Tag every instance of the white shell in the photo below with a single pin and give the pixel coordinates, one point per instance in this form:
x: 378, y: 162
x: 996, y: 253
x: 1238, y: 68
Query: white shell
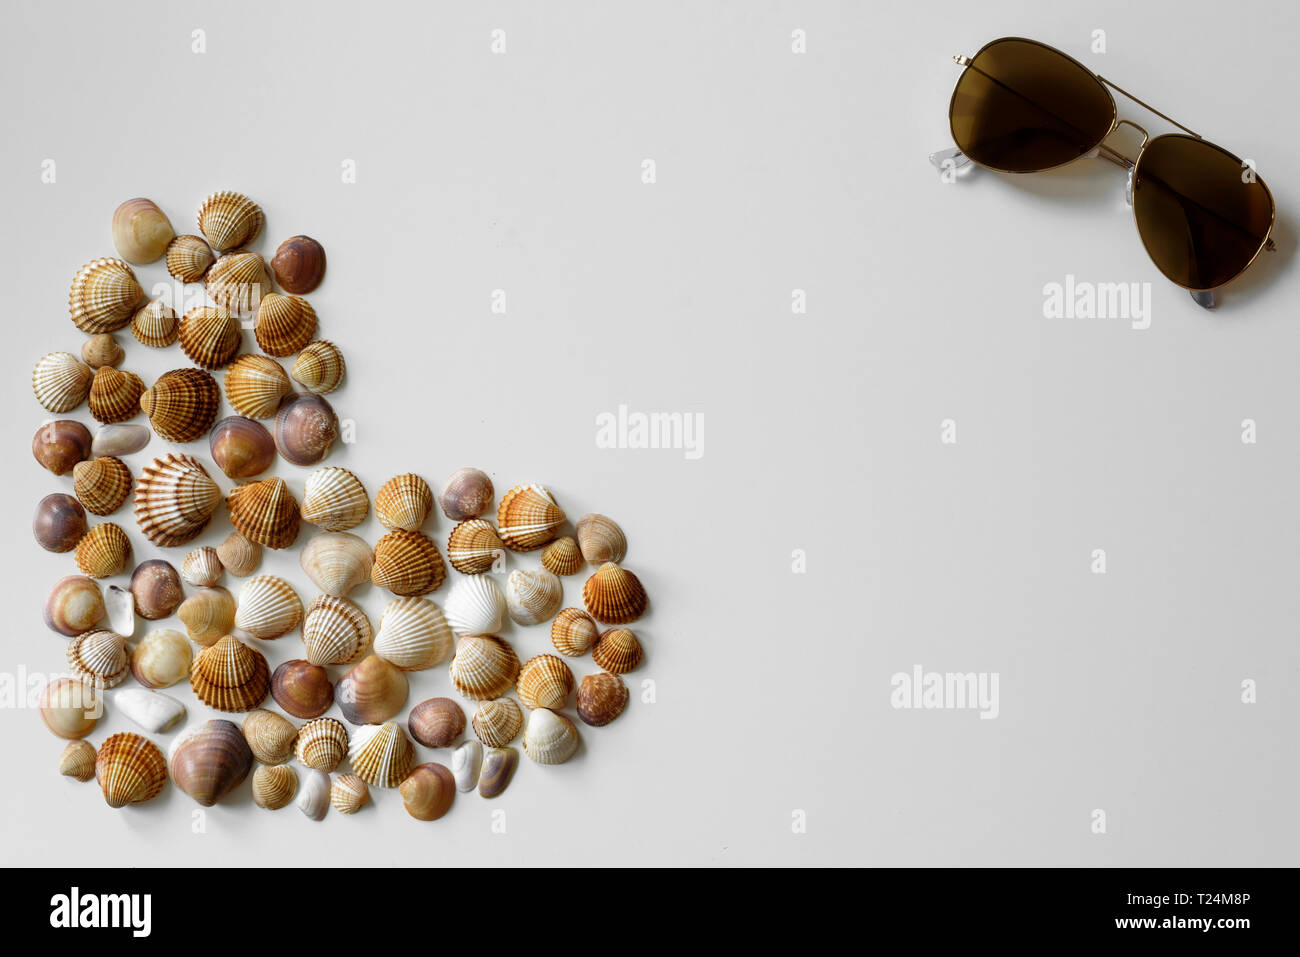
x: 313, y: 794
x: 466, y: 762
x: 334, y: 499
x: 61, y: 381
x: 151, y: 710
x: 268, y: 608
x: 550, y: 738
x: 413, y: 634
x: 120, y: 604
x: 337, y: 562
x: 475, y: 606
x: 533, y: 596
x: 202, y: 567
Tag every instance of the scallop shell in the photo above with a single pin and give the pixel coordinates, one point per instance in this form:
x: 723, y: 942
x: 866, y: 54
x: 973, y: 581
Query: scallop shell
x: 617, y: 651
x: 264, y: 512
x: 155, y: 325
x: 141, y: 231
x: 335, y: 631
x: 102, y: 349
x: 473, y: 547
x: 545, y: 681
x: 238, y: 555
x: 314, y: 795
x: 485, y: 666
x: 255, y: 385
x: 210, y: 760
x: 305, y: 428
x: 573, y: 632
x: 382, y: 755
x: 188, y: 258
x: 130, y: 769
x: 373, y: 691
x: 182, y: 405
x: 210, y: 336
x: 270, y: 737
x: 230, y: 676
x: 475, y: 606
x: 115, y: 394
x: 320, y: 367
x: 533, y: 596
x: 403, y: 503
x: 427, y: 792
x: 600, y: 539
x: 408, y: 563
x: 498, y: 768
x: 601, y: 698
x: 175, y: 499
x: 70, y: 708
x: 102, y: 484
x: 614, y: 595
x: 302, y: 689
x: 103, y: 296
x: 75, y: 604
x: 99, y: 658
x: 119, y: 439
x: 268, y: 608
x: 202, y: 566
x: 238, y: 282
x: 334, y: 499
x: 322, y: 744
x: 498, y: 722
x: 78, y: 760
x: 413, y: 634
x: 528, y: 517
x: 151, y: 710
x: 103, y: 551
x: 162, y: 658
x: 61, y: 381
x: 274, y: 787
x: 348, y: 794
x: 550, y: 738
x: 208, y: 615
x: 337, y: 562
x: 228, y: 219
x: 284, y: 324
x: 436, y: 723
x: 562, y: 557
x: 466, y: 762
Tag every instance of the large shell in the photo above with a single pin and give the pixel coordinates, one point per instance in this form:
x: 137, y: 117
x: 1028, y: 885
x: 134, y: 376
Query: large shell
x: 155, y: 325
x: 335, y: 632
x: 70, y: 708
x: 533, y: 596
x: 545, y: 681
x: 102, y: 349
x: 268, y: 608
x: 408, y: 563
x: 103, y: 296
x: 427, y: 792
x: 305, y: 428
x: 348, y: 794
x: 573, y: 632
x: 382, y: 754
x: 550, y: 738
x: 334, y: 499
x: 238, y: 555
x: 600, y: 539
x: 61, y: 444
x: 230, y: 676
x: 413, y: 634
x: 373, y: 691
x: 436, y: 723
x: 208, y: 615
x: 270, y: 736
x: 103, y: 551
x: 99, y: 658
x: 474, y: 547
x: 59, y: 523
x: 61, y: 381
x: 130, y: 769
x: 562, y: 557
x: 320, y: 367
x: 467, y: 494
x: 182, y: 405
x: 162, y: 658
x: 403, y: 502
x: 466, y: 762
x: 141, y: 231
x: 322, y: 744
x: 188, y: 258
x: 337, y: 562
x: 255, y: 385
x: 264, y: 512
x: 228, y: 220
x: 302, y: 689
x: 601, y: 698
x: 528, y: 517
x: 241, y: 447
x: 498, y: 768
x: 617, y: 651
x: 614, y: 595
x: 497, y: 722
x: 74, y: 605
x: 156, y: 589
x: 284, y: 324
x: 115, y: 394
x: 210, y: 760
x: 202, y: 566
x: 78, y: 760
x: 274, y: 787
x: 210, y: 336
x: 475, y: 606
x: 485, y: 666
x: 174, y: 499
x: 299, y: 264
x: 314, y: 795
x: 102, y: 484
x: 238, y: 282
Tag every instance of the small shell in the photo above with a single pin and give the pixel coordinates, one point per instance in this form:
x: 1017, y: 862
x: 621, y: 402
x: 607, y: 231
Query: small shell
x: 270, y: 737
x: 466, y: 762
x: 348, y: 794
x: 115, y: 394
x: 284, y: 324
x: 617, y: 651
x: 320, y: 367
x: 274, y: 787
x: 408, y: 563
x: 337, y: 562
x: 614, y: 595
x: 162, y: 658
x: 268, y: 608
x: 103, y: 551
x: 314, y: 795
x: 473, y: 547
x: 467, y: 494
x: 120, y: 604
x: 302, y: 689
x: 102, y: 484
x: 601, y: 698
x: 497, y: 722
x: 151, y: 710
x: 436, y: 723
x: 155, y: 325
x: 182, y: 405
x: 70, y: 708
x: 305, y: 428
x: 550, y: 738
x: 202, y: 566
x: 334, y: 499
x: 562, y: 557
x: 475, y: 606
x: 373, y: 691
x: 61, y: 381
x: 61, y: 444
x: 208, y: 615
x: 241, y: 447
x: 238, y: 282
x: 498, y: 768
x: 238, y: 555
x: 382, y: 754
x: 210, y: 760
x: 103, y: 296
x: 210, y: 336
x: 545, y: 681
x: 322, y: 744
x: 230, y: 676
x: 528, y: 517
x: 59, y: 523
x: 255, y: 385
x: 403, y: 503
x: 78, y: 760
x: 264, y: 512
x: 428, y: 791
x: 229, y: 219
x: 188, y: 258
x: 533, y: 596
x: 299, y: 264
x: 600, y: 539
x: 156, y: 589
x: 119, y: 440
x: 100, y: 658
x: 174, y: 499
x: 485, y: 666
x: 335, y: 631
x: 74, y: 605
x: 413, y: 634
x: 130, y: 769
x: 102, y: 349
x: 141, y: 231
x: 573, y: 632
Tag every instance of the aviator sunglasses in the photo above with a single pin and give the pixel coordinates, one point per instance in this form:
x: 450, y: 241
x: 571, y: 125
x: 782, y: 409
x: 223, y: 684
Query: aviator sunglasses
x: 1021, y: 106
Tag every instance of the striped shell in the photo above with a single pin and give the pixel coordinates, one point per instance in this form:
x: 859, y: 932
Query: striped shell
x: 562, y: 556
x: 473, y: 547
x: 255, y: 385
x: 498, y: 722
x: 155, y: 325
x: 209, y: 760
x: 335, y: 631
x: 227, y: 219
x: 174, y: 499
x: 322, y: 744
x: 130, y: 769
x: 210, y: 336
x: 334, y: 499
x: 230, y: 676
x: 601, y: 698
x: 382, y: 754
x: 103, y: 296
x: 61, y: 381
x: 533, y: 596
x: 268, y: 608
x: 100, y: 658
x: 573, y: 632
x: 78, y: 760
x: 614, y: 595
x: 102, y: 484
x: 115, y: 394
x: 208, y: 614
x: 238, y: 282
x: 103, y: 551
x: 408, y: 563
x: 550, y: 738
x: 284, y: 324
x: 475, y: 606
x: 270, y: 736
x: 274, y: 787
x: 403, y: 503
x: 188, y: 258
x: 485, y: 666
x: 545, y: 681
x: 413, y: 634
x: 528, y: 517
x: 617, y: 651
x: 320, y: 367
x: 202, y: 566
x: 337, y: 562
x: 238, y: 555
x: 348, y: 794
x: 264, y: 512
x: 182, y: 405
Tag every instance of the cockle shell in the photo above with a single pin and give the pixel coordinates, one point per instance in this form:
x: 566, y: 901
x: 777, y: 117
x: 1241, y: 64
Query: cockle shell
x: 130, y: 769
x: 382, y: 754
x: 467, y: 494
x: 497, y: 722
x: 614, y: 595
x: 70, y: 708
x: 103, y: 296
x: 208, y: 614
x: 141, y: 231
x: 61, y: 381
x: 562, y: 557
x: 436, y: 723
x: 162, y: 658
x: 100, y: 658
x: 102, y: 349
x: 284, y: 324
x: 485, y: 666
x: 473, y: 547
x: 182, y: 405
x: 270, y: 737
x: 241, y: 447
x: 255, y: 385
x: 475, y: 606
x: 617, y: 651
x: 403, y: 503
x: 210, y: 336
x: 115, y: 394
x: 202, y: 566
x: 533, y: 596
x: 373, y: 691
x: 573, y: 632
x: 156, y: 589
x: 302, y: 689
x: 413, y: 634
x: 545, y: 681
x: 102, y: 484
x: 348, y: 794
x: 151, y: 710
x: 238, y: 555
x: 550, y: 737
x: 334, y: 499
x: 210, y: 760
x: 601, y: 698
x: 230, y: 676
x: 528, y: 517
x: 322, y: 744
x: 335, y: 632
x: 336, y: 562
x: 228, y: 220
x: 238, y: 282
x: 314, y: 795
x: 188, y: 258
x: 427, y: 792
x: 466, y: 762
x: 74, y: 605
x: 59, y: 523
x: 299, y: 264
x: 61, y: 444
x: 268, y: 608
x: 103, y: 551
x: 119, y: 440
x: 78, y: 760
x: 408, y: 563
x: 498, y: 768
x: 305, y: 428
x: 600, y: 539
x: 264, y: 512
x: 274, y: 786
x: 120, y: 604
x: 155, y: 325
x: 320, y: 367
x: 174, y: 499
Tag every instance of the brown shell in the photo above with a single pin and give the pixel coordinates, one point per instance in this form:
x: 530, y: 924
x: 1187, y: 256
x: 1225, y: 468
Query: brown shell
x: 408, y: 563
x: 99, y: 657
x: 230, y: 676
x: 436, y: 723
x: 601, y: 698
x: 284, y: 324
x: 302, y: 689
x: 59, y: 523
x: 562, y: 556
x: 78, y: 760
x: 155, y: 325
x: 264, y: 512
x: 573, y: 631
x: 255, y: 385
x: 373, y: 691
x: 228, y: 219
x: 130, y: 769
x: 103, y: 296
x: 102, y: 349
x: 473, y: 547
x: 188, y: 258
x: 617, y: 651
x: 241, y: 447
x: 320, y: 367
x: 305, y: 428
x: 61, y: 444
x: 614, y: 595
x: 115, y: 394
x: 182, y: 405
x: 210, y: 336
x: 545, y: 681
x: 238, y: 555
x: 404, y: 502
x: 174, y: 499
x: 210, y: 760
x: 102, y: 484
x: 238, y: 282
x: 103, y: 551
x: 497, y: 722
x: 299, y: 264
x: 156, y: 589
x: 528, y: 517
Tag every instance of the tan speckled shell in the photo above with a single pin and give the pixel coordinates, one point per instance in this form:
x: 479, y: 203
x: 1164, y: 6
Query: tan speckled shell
x: 255, y: 385
x: 103, y: 296
x: 320, y: 367
x: 101, y: 484
x: 348, y: 794
x: 174, y: 499
x: 155, y: 325
x: 408, y: 563
x: 473, y: 547
x: 382, y: 754
x: 270, y: 736
x: 334, y: 499
x: 103, y: 551
x: 528, y: 517
x: 573, y: 631
x: 230, y: 676
x: 99, y: 657
x: 274, y: 786
x: 115, y: 394
x: 78, y: 760
x: 335, y: 631
x: 238, y: 555
x: 322, y: 744
x: 188, y: 258
x: 617, y: 651
x: 268, y: 608
x: 130, y: 769
x: 238, y: 282
x: 614, y: 595
x: 484, y: 666
x: 403, y: 503
x: 545, y: 681
x: 413, y: 634
x: 264, y: 512
x: 562, y: 557
x: 61, y: 381
x: 228, y: 219
x: 284, y: 324
x: 182, y: 405
x: 210, y: 336
x: 497, y: 722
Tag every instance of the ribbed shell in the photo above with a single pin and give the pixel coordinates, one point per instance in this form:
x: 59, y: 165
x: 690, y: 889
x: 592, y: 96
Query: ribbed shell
x: 600, y: 539
x: 403, y: 503
x: 103, y: 551
x: 573, y: 631
x: 274, y: 787
x: 102, y: 484
x: 284, y: 324
x: 562, y: 556
x: 100, y: 658
x: 102, y: 349
x: 550, y: 738
x: 78, y: 760
x: 473, y: 547
x: 617, y: 651
x: 335, y: 631
x: 268, y: 608
x: 130, y: 769
x: 485, y: 666
x: 61, y: 381
x: 228, y: 219
x: 210, y: 336
x: 202, y: 566
x: 601, y: 698
x: 322, y: 744
x: 320, y: 367
x: 230, y: 676
x: 382, y: 755
x: 155, y: 325
x: 337, y: 562
x: 533, y: 595
x: 408, y: 563
x: 413, y: 634
x: 334, y: 499
x: 270, y: 736
x: 475, y: 606
x: 264, y: 512
x: 208, y: 614
x: 528, y: 517
x: 174, y: 499
x: 182, y: 405
x: 115, y: 394
x: 255, y: 385
x: 188, y: 258
x: 348, y: 794
x: 238, y: 282
x: 614, y: 595
x: 103, y: 296
x: 238, y: 555
x: 498, y: 722
x: 545, y: 681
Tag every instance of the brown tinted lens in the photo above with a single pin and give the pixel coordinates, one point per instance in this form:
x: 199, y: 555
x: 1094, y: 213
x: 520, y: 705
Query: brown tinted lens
x: 1020, y: 107
x: 1201, y: 214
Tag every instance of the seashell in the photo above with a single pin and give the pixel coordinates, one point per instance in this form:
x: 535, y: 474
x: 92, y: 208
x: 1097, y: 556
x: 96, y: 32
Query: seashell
x: 182, y: 405
x: 320, y: 367
x: 600, y: 539
x: 209, y: 335
x: 141, y: 231
x: 202, y: 566
x: 467, y: 494
x: 210, y: 760
x: 156, y: 588
x: 617, y: 651
x: 155, y: 325
x: 372, y: 692
x: 61, y: 381
x: 528, y: 517
x: 99, y: 657
x: 188, y: 258
x: 614, y: 595
x: 230, y: 676
x: 270, y: 737
x: 161, y: 658
x: 382, y: 755
x: 208, y: 615
x: 228, y: 219
x: 336, y: 562
x: 545, y: 681
x: 322, y: 744
x: 485, y: 666
x: 334, y: 499
x: 274, y: 787
x: 175, y: 499
x: 115, y: 394
x: 103, y: 296
x: 78, y: 760
x: 61, y: 444
x: 533, y: 596
x: 268, y: 608
x: 120, y: 604
x: 59, y: 523
x: 314, y: 795
x: 550, y: 738
x: 408, y: 563
x: 473, y: 547
x: 151, y: 710
x: 130, y: 769
x: 101, y: 349
x: 70, y: 708
x: 497, y: 722
x: 466, y: 762
x: 348, y: 794
x: 302, y: 689
x: 102, y: 484
x: 264, y: 512
x: 255, y: 385
x: 498, y: 768
x: 436, y: 723
x: 103, y: 551
x: 119, y: 440
x: 427, y: 792
x: 413, y: 634
x: 238, y: 282
x: 299, y: 264
x: 403, y: 503
x: 238, y: 555
x: 475, y: 606
x: 73, y: 606
x: 305, y: 428
x: 241, y: 447
x: 562, y: 557
x: 335, y: 631
x: 284, y: 324
x: 573, y: 632
x: 601, y: 698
